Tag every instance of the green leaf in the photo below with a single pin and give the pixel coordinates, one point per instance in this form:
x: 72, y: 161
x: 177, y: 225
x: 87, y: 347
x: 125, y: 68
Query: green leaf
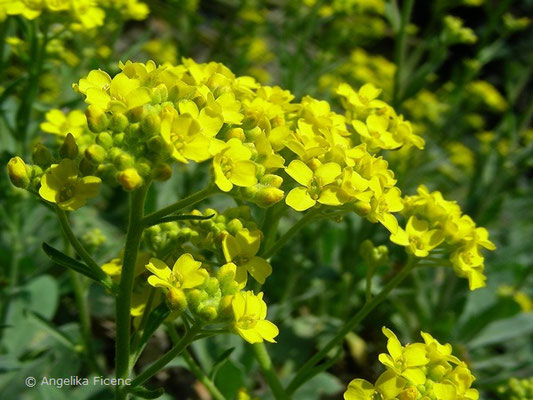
x: 68, y: 262
x: 392, y: 13
x: 45, y: 325
x: 155, y: 319
x: 229, y: 379
x: 505, y: 330
x: 182, y: 217
x: 319, y: 387
x: 220, y: 360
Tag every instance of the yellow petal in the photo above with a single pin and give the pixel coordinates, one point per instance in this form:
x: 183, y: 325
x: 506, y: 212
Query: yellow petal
x: 259, y: 268
x: 159, y: 269
x: 299, y: 199
x: 300, y: 172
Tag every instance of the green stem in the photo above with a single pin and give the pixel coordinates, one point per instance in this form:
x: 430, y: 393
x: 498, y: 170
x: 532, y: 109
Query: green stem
x: 308, y: 217
x: 38, y: 55
x: 152, y: 218
x: 153, y: 369
x: 123, y: 302
x: 85, y: 320
x: 80, y: 250
x: 14, y: 264
x: 302, y: 375
x: 399, y: 50
x: 262, y: 357
x: 195, y: 368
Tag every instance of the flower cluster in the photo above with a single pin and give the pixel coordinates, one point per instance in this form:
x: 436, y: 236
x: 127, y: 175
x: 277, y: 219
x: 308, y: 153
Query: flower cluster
x: 516, y: 389
x: 147, y: 117
x: 431, y: 221
x: 417, y: 371
x: 215, y: 298
x: 64, y: 182
x: 86, y: 14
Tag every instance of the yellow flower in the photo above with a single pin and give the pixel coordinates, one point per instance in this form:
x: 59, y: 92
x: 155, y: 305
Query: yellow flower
x: 186, y: 273
x: 241, y: 250
x: 417, y: 237
x: 249, y: 312
x: 62, y: 185
x: 60, y: 124
x: 387, y: 387
x: 318, y: 186
x: 232, y: 166
x: 383, y: 204
x: 404, y: 360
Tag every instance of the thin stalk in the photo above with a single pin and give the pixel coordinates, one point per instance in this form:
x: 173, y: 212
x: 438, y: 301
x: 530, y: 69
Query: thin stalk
x: 80, y: 296
x: 195, y: 368
x: 14, y: 264
x: 308, y: 217
x: 399, y: 49
x: 349, y: 326
x: 137, y: 350
x: 176, y: 350
x: 194, y: 198
x: 78, y: 247
x: 265, y: 363
x: 123, y: 302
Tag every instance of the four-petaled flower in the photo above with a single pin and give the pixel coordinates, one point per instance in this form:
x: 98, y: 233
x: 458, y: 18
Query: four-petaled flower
x: 249, y: 312
x: 62, y: 185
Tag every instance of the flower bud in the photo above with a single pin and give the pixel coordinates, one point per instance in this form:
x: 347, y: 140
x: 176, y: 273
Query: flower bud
x: 195, y: 297
x: 162, y: 172
x: 212, y: 286
x: 271, y: 180
x: 362, y: 207
x: 234, y: 226
x: 224, y: 306
x: 18, y: 173
x: 159, y: 94
x: 208, y: 313
x: 122, y: 160
x: 151, y: 124
x: 86, y: 168
x: 96, y: 154
x: 69, y: 148
x: 143, y: 166
x: 105, y: 140
x: 268, y: 196
x: 236, y: 133
x: 96, y: 119
x: 159, y: 146
x: 118, y: 139
x: 130, y: 179
x: 177, y: 299
x: 226, y: 275
x: 41, y: 155
x: 118, y: 123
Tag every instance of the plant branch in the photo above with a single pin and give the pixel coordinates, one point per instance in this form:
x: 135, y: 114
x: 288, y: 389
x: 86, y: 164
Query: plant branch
x: 262, y: 357
x: 151, y: 219
x: 123, y: 302
x: 302, y: 374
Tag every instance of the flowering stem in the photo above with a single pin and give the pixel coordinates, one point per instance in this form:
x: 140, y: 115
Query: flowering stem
x: 186, y: 340
x: 308, y: 217
x: 305, y: 371
x: 123, y: 302
x: 399, y: 49
x: 262, y: 357
x: 194, y: 198
x: 195, y: 368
